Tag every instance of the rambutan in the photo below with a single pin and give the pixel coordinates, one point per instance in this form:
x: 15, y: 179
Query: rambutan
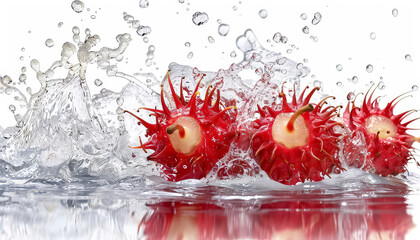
x: 187, y: 141
x: 297, y: 143
x: 387, y: 141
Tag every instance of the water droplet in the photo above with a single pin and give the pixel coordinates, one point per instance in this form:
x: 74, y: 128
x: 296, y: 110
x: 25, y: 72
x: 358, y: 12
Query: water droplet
x: 21, y: 58
x: 303, y: 16
x: 381, y: 86
x: 190, y: 55
x: 98, y: 82
x: 305, y: 30
x: 149, y: 62
x: 223, y: 29
x: 12, y: 108
x: 235, y: 8
x: 350, y: 96
x: 184, y: 166
x: 144, y: 3
x: 415, y: 88
x: 75, y: 30
x: 299, y: 66
x: 49, y: 42
x: 199, y: 18
x: 211, y: 39
x: 315, y: 39
x: 22, y: 77
x: 145, y: 39
x: 372, y: 35
x: 277, y: 36
x: 283, y: 39
x: 281, y: 61
x: 339, y: 84
x: 135, y: 24
x: 77, y: 6
x: 143, y: 30
x: 339, y: 67
x: 233, y: 54
x: 263, y: 13
x: 395, y: 12
x: 22, y: 49
x: 35, y: 65
x: 60, y: 24
x: 318, y: 83
x: 369, y: 68
x: 289, y: 51
x: 8, y: 91
x: 181, y: 1
x: 92, y: 16
x: 408, y: 57
x: 187, y: 44
x: 354, y: 79
x: 128, y: 18
x: 23, y: 69
x: 317, y: 18
x: 120, y: 101
x: 29, y: 90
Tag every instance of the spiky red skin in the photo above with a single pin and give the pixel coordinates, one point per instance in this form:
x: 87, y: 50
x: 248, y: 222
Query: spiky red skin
x: 215, y: 143
x: 217, y: 134
x: 299, y: 164
x: 385, y: 156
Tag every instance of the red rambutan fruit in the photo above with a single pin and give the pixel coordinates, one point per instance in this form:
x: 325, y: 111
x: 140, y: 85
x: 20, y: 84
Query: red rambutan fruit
x: 298, y: 142
x: 387, y: 142
x: 187, y: 141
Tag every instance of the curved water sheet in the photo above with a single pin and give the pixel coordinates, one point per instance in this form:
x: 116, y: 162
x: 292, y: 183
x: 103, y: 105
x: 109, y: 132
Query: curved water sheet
x: 67, y: 171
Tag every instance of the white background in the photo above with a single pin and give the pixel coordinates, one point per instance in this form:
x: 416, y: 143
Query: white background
x: 343, y: 38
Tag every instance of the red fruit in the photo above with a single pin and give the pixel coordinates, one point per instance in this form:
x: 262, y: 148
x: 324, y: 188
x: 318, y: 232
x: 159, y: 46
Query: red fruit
x: 298, y: 142
x: 191, y: 138
x: 388, y: 144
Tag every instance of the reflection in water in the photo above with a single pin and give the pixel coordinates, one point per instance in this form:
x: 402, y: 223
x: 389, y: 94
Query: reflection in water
x: 374, y: 218
x: 155, y: 209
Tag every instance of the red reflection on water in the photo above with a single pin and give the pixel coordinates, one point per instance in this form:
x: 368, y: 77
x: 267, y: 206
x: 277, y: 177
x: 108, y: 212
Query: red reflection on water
x: 375, y: 218
x: 175, y: 220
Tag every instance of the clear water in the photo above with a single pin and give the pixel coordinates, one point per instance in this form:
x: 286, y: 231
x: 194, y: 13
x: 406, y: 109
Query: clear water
x: 66, y: 171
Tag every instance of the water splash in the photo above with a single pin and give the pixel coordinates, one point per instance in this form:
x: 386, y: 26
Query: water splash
x: 65, y: 134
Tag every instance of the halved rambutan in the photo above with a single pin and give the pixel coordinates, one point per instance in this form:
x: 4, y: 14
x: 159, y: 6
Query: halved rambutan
x: 387, y: 142
x: 187, y: 141
x: 298, y: 142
